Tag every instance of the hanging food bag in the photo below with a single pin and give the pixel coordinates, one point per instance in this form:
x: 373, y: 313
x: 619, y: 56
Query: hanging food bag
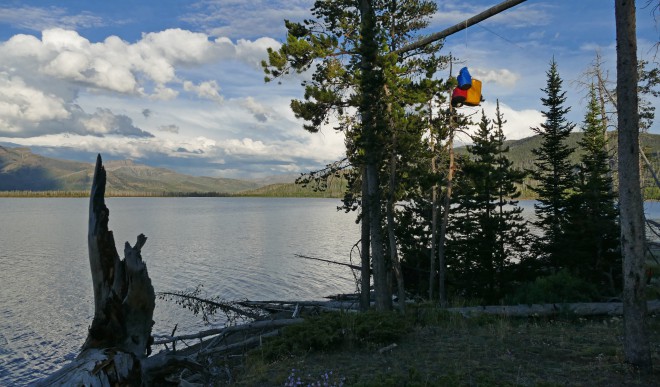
x: 473, y: 97
x: 458, y: 97
x: 464, y: 79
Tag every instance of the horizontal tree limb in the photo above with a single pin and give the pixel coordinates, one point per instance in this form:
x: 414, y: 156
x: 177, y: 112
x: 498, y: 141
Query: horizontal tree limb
x: 354, y: 267
x: 246, y: 343
x: 265, y: 324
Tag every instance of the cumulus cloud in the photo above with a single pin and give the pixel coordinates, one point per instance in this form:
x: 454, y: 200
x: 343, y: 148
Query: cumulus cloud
x: 116, y: 65
x: 27, y: 111
x: 41, y: 78
x: 518, y: 122
x: 503, y: 77
x: 254, y: 52
x: 20, y: 102
x: 205, y: 90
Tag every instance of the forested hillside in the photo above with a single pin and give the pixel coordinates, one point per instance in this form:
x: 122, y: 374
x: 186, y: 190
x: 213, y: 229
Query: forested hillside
x: 520, y: 153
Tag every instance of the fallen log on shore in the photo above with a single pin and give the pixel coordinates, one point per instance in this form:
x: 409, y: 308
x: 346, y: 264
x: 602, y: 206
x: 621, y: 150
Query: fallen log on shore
x: 256, y: 325
x: 584, y: 309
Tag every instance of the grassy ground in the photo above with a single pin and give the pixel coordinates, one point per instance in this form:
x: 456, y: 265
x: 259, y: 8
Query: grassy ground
x: 436, y: 349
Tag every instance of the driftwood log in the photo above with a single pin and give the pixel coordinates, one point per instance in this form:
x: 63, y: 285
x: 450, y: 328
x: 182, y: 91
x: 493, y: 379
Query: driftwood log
x: 119, y: 338
x: 584, y: 309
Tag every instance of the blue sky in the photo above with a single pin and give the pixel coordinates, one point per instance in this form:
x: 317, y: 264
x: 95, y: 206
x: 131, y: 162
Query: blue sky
x: 177, y: 84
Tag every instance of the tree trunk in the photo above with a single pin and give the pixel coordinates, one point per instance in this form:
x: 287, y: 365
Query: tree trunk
x: 371, y: 86
x: 394, y: 256
x: 124, y: 300
x: 442, y: 237
x: 365, y: 279
x: 434, y: 209
x: 636, y: 343
x: 434, y: 234
x: 381, y: 290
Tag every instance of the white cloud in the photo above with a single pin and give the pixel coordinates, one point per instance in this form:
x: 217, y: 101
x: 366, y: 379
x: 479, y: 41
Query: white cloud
x: 518, y: 122
x: 503, y: 77
x: 41, y: 79
x: 145, y: 67
x: 206, y: 90
x: 254, y: 52
x: 20, y: 102
x: 259, y: 111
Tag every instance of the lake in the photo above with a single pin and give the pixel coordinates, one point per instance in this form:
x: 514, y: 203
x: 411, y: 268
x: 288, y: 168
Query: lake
x: 236, y: 248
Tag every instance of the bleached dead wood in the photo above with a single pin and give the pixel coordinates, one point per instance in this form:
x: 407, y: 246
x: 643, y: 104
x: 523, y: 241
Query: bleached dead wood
x: 250, y: 342
x: 585, y: 309
x: 124, y: 300
x: 257, y: 325
x: 291, y: 305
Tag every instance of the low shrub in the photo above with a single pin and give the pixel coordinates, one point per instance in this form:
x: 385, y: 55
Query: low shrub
x: 333, y: 331
x: 561, y: 287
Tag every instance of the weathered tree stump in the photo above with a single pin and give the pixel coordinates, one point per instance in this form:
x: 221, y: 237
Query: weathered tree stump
x: 124, y: 300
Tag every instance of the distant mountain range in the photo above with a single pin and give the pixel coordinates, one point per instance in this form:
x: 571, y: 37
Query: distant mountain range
x: 22, y: 170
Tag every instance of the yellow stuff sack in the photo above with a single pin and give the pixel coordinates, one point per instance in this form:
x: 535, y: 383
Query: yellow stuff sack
x: 473, y: 94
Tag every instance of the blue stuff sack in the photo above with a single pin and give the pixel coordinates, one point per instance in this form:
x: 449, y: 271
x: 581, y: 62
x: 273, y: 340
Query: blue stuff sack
x: 464, y: 79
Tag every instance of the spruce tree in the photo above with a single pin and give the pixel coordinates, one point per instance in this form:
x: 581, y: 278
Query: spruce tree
x: 554, y: 174
x: 593, y: 231
x: 513, y: 231
x: 487, y: 230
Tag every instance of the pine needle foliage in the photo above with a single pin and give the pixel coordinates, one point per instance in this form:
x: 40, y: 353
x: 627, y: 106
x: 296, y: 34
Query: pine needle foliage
x: 593, y: 231
x: 553, y: 171
x: 487, y: 230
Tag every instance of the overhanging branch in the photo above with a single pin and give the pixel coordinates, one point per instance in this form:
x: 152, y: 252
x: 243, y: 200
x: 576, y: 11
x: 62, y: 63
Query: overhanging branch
x: 492, y: 11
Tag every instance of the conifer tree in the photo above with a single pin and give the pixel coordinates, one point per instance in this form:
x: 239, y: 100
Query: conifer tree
x: 487, y: 230
x: 349, y: 47
x: 513, y: 232
x: 592, y: 232
x: 554, y: 174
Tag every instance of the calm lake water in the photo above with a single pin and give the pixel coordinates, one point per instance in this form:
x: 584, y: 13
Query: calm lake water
x: 236, y: 247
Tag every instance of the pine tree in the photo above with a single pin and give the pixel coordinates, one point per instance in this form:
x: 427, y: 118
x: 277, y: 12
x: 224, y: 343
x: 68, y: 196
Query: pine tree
x: 488, y: 230
x: 554, y: 174
x: 593, y: 232
x: 349, y: 46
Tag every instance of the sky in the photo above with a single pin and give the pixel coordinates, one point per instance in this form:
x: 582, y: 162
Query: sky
x: 178, y: 83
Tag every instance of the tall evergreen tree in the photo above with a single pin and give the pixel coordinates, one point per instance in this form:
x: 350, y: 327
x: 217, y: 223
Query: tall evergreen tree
x: 487, y: 228
x: 349, y: 46
x: 513, y: 232
x: 553, y: 172
x: 592, y: 232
